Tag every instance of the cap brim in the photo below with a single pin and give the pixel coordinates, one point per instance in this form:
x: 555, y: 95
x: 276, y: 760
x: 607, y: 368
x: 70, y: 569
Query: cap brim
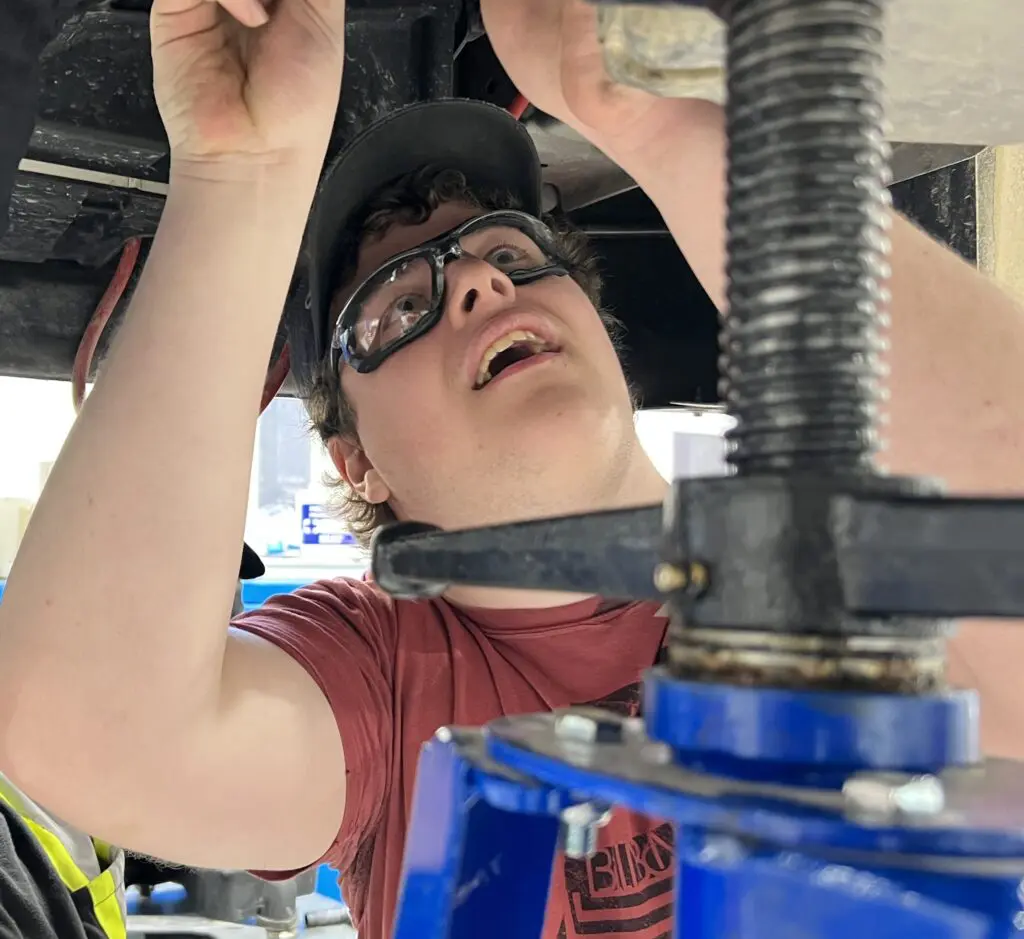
x: 483, y: 142
x: 252, y: 566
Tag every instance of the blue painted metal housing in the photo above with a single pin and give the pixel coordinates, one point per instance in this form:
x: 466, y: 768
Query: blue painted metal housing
x: 779, y: 732
x: 768, y: 845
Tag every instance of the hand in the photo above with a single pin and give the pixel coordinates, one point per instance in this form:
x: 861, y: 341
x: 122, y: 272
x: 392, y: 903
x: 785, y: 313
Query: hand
x: 238, y: 82
x: 551, y: 52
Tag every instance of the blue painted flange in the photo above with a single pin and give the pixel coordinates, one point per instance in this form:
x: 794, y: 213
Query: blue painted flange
x: 983, y: 818
x: 770, y: 733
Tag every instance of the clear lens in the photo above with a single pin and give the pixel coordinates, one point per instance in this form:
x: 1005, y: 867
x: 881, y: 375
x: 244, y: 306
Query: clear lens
x: 394, y: 301
x: 391, y: 304
x: 506, y: 248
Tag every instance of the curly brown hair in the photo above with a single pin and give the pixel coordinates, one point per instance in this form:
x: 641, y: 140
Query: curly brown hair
x: 411, y: 201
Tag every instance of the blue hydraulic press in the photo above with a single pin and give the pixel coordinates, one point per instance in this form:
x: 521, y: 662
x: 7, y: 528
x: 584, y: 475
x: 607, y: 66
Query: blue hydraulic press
x: 823, y: 781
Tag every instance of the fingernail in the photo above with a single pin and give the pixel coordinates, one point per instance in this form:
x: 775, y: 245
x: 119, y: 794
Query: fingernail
x: 260, y: 16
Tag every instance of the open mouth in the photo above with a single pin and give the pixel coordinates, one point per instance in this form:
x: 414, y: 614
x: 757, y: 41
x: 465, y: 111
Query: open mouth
x: 509, y: 350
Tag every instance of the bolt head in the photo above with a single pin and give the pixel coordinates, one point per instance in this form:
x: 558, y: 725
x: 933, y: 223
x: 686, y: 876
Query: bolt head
x: 578, y: 830
x: 669, y: 577
x: 923, y: 795
x: 888, y: 794
x: 589, y: 725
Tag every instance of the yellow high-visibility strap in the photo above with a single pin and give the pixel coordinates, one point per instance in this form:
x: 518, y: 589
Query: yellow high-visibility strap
x: 68, y: 871
x: 102, y: 890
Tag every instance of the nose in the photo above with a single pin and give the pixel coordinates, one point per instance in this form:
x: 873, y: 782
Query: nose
x: 474, y: 288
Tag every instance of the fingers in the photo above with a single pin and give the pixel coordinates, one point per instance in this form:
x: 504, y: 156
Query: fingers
x: 187, y: 17
x: 582, y: 57
x: 598, y: 101
x: 526, y: 36
x: 250, y: 13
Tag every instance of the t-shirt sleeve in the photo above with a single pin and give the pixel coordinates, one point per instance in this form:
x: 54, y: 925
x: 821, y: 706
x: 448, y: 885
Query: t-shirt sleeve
x: 343, y: 633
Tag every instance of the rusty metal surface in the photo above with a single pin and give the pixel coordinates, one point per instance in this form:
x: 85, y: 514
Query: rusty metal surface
x: 954, y: 73
x: 751, y: 659
x: 911, y: 160
x: 672, y: 51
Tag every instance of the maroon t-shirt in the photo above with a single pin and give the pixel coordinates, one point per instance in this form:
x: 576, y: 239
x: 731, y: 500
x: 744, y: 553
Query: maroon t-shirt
x: 395, y: 671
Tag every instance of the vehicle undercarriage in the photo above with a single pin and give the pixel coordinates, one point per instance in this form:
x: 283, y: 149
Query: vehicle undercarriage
x: 95, y: 172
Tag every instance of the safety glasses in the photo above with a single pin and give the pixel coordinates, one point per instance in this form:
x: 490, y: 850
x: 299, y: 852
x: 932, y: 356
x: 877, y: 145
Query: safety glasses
x: 405, y: 297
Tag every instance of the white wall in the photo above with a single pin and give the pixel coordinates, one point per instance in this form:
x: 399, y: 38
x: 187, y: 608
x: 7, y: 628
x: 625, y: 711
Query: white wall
x: 35, y: 417
x: 674, y: 438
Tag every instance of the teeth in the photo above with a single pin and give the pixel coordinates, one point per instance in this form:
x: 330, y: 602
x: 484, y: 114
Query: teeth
x: 500, y: 345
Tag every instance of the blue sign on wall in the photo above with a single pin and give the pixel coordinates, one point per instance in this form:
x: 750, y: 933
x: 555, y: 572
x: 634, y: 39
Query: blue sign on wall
x: 321, y: 527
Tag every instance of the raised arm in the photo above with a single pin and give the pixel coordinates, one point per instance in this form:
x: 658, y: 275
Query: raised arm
x: 127, y: 708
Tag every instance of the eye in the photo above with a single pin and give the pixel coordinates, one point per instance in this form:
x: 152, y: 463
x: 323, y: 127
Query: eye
x: 402, y: 314
x: 509, y: 257
x: 406, y: 305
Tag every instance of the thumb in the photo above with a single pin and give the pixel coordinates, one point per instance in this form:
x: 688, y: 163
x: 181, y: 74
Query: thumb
x: 170, y: 19
x: 595, y: 99
x: 526, y: 37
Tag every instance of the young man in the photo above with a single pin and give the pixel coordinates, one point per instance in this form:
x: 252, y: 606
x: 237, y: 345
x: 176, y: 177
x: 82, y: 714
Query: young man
x: 295, y: 735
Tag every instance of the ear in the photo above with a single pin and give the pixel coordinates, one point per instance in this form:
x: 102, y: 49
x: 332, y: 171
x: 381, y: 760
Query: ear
x: 356, y: 469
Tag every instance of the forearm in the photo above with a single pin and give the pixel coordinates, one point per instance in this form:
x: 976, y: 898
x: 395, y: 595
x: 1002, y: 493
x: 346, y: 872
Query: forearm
x: 956, y: 340
x: 957, y: 386
x: 121, y: 591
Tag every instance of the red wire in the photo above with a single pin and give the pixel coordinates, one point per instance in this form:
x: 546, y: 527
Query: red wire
x: 104, y: 310
x: 518, y: 106
x: 276, y: 376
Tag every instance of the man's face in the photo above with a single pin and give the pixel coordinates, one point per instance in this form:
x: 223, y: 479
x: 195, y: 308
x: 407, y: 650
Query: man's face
x: 545, y: 436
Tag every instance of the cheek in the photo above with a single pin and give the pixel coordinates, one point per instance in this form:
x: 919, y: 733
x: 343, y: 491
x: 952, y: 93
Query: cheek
x: 401, y: 412
x: 579, y: 314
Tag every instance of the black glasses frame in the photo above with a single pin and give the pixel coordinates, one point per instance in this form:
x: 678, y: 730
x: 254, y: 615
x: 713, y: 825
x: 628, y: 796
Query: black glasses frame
x: 439, y: 252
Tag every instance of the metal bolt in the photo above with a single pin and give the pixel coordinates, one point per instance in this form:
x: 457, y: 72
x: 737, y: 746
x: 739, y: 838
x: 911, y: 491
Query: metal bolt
x: 332, y: 916
x: 924, y: 795
x: 669, y: 578
x: 589, y: 725
x: 886, y: 795
x: 578, y: 831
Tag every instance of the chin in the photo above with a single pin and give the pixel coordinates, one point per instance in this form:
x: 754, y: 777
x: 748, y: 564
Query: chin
x: 559, y: 454
x: 558, y: 395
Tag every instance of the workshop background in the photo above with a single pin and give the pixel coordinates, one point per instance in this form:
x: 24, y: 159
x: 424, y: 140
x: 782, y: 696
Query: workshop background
x: 289, y: 522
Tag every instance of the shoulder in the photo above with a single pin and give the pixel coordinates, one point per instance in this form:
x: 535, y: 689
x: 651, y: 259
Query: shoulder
x: 326, y: 608
x: 339, y: 613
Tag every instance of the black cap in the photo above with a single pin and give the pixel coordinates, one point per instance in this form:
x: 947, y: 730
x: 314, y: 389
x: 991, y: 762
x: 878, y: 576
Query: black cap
x: 251, y: 567
x: 483, y: 142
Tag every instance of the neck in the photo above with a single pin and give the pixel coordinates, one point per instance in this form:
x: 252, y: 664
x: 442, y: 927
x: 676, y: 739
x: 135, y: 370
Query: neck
x: 640, y: 485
